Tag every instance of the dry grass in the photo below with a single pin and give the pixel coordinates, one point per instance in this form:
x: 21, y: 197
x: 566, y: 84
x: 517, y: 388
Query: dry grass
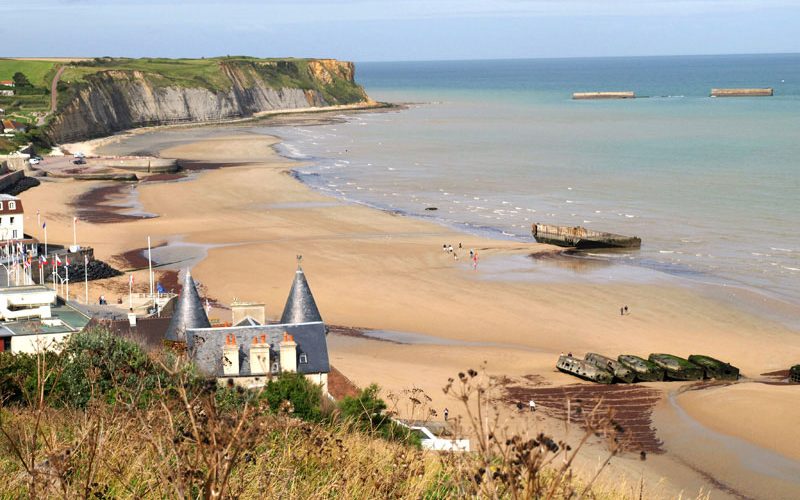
x: 182, y: 445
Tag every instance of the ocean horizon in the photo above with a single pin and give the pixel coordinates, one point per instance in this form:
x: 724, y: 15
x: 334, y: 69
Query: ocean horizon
x: 710, y: 184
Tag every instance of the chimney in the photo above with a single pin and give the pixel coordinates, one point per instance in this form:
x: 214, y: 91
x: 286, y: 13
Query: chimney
x: 288, y: 353
x: 230, y: 356
x: 259, y: 356
x: 241, y: 310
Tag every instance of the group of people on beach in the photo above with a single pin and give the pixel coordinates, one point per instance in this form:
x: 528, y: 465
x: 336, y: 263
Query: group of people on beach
x: 473, y: 255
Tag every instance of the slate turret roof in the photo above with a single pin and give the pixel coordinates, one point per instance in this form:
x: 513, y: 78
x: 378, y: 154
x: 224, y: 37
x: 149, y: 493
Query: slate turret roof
x: 300, y: 306
x: 205, y: 346
x: 189, y: 312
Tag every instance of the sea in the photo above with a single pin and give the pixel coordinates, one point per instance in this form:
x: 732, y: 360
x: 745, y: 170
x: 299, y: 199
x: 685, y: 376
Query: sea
x: 711, y: 185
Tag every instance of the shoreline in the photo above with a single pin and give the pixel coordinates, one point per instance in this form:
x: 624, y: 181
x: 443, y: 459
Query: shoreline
x: 90, y: 145
x: 380, y: 271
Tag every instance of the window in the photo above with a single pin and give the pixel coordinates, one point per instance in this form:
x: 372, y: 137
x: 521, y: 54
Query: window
x: 10, y: 220
x: 12, y: 205
x: 275, y: 367
x: 303, y: 359
x: 14, y: 236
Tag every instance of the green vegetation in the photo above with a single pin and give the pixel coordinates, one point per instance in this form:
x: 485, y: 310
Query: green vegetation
x: 32, y: 88
x: 102, y: 418
x: 214, y: 74
x: 39, y: 73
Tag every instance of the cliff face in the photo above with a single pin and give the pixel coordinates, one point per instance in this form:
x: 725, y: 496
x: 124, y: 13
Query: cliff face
x: 117, y: 99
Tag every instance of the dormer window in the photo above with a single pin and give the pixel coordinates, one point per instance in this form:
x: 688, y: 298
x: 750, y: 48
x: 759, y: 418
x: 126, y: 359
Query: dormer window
x: 275, y: 367
x: 303, y: 359
x: 12, y: 205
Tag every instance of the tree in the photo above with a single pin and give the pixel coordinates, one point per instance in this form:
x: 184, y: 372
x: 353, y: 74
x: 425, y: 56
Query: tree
x: 293, y: 389
x: 20, y: 80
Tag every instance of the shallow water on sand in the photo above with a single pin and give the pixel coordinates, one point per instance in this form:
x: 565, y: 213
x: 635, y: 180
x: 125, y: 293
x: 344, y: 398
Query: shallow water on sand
x: 710, y: 185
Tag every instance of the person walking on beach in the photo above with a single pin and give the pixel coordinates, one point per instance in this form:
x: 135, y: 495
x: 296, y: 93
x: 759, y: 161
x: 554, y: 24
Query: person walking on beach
x: 621, y: 311
x: 532, y: 406
x: 475, y: 262
x: 626, y: 309
x: 446, y: 414
x: 450, y: 249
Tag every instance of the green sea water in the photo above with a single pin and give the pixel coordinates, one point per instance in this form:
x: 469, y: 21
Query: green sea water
x: 711, y: 185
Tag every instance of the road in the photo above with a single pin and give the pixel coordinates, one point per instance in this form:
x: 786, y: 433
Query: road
x: 53, y: 95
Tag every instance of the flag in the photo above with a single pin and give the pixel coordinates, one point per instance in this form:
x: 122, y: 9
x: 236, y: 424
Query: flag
x: 58, y: 260
x: 131, y: 280
x: 85, y: 260
x: 44, y: 225
x: 67, y: 260
x: 159, y: 288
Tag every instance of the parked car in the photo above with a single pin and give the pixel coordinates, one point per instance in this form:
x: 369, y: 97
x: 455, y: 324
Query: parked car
x: 431, y: 442
x: 79, y: 161
x: 34, y: 161
x: 79, y: 155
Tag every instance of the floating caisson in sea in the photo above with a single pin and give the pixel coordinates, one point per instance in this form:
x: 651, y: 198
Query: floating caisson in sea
x: 677, y: 368
x: 715, y: 368
x: 620, y: 371
x: 584, y: 370
x: 646, y: 371
x: 763, y: 92
x: 582, y: 238
x: 624, y: 94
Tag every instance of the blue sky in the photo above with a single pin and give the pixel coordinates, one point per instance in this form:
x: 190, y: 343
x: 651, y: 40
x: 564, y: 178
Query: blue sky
x: 374, y: 30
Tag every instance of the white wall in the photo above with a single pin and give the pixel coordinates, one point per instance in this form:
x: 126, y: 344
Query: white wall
x: 35, y: 343
x: 319, y: 379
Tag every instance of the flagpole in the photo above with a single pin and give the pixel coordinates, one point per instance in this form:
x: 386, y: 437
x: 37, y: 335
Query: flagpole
x: 38, y: 221
x: 67, y: 271
x: 130, y: 292
x: 150, y: 266
x: 45, y: 238
x: 74, y: 232
x: 86, y: 277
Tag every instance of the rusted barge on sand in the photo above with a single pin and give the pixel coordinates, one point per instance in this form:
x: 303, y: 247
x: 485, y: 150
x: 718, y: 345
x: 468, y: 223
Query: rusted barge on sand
x: 582, y: 238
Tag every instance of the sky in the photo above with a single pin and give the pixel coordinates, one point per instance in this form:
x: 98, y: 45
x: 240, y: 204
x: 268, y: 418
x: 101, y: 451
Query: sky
x: 396, y: 30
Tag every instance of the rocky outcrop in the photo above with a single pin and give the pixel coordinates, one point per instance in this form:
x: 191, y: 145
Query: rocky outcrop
x: 117, y: 99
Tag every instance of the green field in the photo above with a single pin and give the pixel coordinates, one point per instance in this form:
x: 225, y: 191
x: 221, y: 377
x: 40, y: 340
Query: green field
x: 40, y: 73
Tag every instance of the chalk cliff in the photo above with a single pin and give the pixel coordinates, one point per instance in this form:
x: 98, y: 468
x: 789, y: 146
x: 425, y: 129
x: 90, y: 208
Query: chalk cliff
x: 117, y: 97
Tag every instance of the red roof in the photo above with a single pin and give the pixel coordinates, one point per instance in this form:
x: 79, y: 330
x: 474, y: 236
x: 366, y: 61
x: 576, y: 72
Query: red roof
x: 10, y: 207
x: 7, y: 83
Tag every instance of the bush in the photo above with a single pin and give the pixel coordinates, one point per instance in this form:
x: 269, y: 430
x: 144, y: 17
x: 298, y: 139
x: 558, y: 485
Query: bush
x: 96, y: 363
x: 369, y: 413
x: 303, y: 397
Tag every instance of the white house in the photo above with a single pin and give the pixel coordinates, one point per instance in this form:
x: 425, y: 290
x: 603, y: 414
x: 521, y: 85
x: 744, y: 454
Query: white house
x: 11, y: 218
x: 32, y: 319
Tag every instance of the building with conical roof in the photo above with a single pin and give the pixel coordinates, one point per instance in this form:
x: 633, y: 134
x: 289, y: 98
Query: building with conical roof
x: 249, y: 352
x: 188, y: 313
x: 300, y: 306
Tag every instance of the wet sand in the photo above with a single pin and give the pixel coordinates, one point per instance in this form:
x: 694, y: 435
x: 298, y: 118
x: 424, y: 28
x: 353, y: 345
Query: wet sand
x: 242, y: 226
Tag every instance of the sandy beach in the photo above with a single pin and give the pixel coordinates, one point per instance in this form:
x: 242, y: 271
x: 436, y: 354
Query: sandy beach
x: 242, y: 226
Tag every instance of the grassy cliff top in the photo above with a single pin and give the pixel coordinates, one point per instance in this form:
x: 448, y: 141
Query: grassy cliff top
x: 40, y: 73
x: 208, y: 73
